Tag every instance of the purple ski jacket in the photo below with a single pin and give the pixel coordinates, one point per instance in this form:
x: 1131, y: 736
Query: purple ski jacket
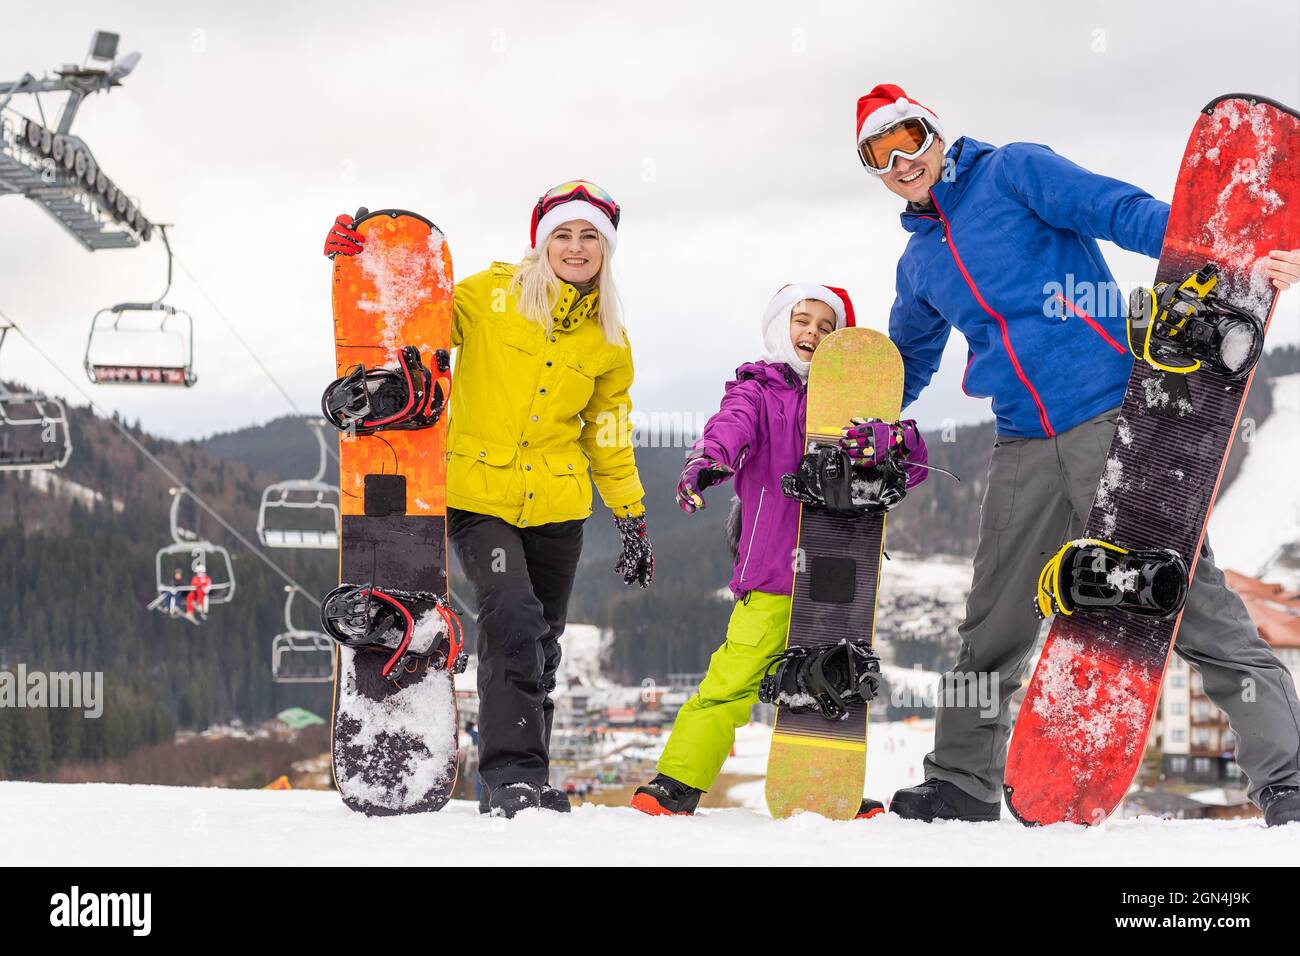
x: 758, y: 433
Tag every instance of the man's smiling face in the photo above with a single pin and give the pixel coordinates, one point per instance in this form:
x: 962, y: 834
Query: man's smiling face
x: 914, y: 178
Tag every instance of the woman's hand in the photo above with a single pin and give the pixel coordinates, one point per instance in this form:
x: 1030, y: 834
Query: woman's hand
x: 343, y: 240
x: 637, y: 560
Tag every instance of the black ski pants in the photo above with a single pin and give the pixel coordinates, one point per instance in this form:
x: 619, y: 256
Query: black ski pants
x: 522, y: 578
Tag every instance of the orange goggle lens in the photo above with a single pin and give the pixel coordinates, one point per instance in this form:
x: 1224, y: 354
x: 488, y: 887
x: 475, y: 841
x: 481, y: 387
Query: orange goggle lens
x: 908, y: 139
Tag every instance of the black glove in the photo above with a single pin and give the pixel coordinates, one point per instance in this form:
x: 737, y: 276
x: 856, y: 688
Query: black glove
x: 637, y: 562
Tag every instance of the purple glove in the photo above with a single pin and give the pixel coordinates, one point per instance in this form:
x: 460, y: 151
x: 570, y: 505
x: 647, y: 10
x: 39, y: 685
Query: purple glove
x: 700, y: 472
x: 867, y: 441
x: 910, y: 449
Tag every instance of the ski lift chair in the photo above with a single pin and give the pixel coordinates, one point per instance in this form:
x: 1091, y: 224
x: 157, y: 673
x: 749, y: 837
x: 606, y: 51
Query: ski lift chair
x: 300, y: 656
x: 118, y: 322
x: 33, y: 429
x: 298, y: 500
x: 201, y: 555
x: 123, y: 321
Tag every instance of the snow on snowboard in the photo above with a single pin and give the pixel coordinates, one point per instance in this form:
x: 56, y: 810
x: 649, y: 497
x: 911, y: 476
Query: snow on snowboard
x: 1083, y: 726
x: 394, y: 740
x: 818, y: 759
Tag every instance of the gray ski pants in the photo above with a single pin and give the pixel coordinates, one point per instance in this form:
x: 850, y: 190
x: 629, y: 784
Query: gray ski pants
x: 1039, y: 493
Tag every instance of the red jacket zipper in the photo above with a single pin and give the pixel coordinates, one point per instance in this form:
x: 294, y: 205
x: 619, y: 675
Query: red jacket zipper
x: 1002, y: 323
x: 1096, y: 327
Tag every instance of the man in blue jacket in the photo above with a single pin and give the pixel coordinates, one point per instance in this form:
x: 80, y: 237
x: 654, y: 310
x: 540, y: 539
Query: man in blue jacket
x: 1003, y: 240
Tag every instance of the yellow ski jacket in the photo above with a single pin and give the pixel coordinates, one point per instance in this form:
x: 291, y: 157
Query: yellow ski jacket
x: 531, y: 413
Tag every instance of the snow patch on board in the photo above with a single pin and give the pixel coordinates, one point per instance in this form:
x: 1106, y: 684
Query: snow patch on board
x: 1087, y: 712
x: 442, y: 269
x: 403, y: 747
x: 402, y: 277
x: 1251, y: 176
x: 1112, y: 481
x: 1155, y: 396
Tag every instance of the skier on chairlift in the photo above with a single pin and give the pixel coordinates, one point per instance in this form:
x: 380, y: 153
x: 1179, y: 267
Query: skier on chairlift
x: 172, y: 599
x: 197, y: 599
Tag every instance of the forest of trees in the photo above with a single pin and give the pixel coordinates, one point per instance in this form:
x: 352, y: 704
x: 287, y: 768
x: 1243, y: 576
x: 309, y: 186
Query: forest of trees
x: 75, y: 582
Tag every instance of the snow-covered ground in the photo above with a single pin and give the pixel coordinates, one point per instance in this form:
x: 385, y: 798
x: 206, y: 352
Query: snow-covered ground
x: 107, y: 824
x: 1260, y: 510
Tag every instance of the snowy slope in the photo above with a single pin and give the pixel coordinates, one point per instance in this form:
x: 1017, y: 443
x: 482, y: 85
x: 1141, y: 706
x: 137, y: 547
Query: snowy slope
x: 106, y: 824
x: 1260, y: 510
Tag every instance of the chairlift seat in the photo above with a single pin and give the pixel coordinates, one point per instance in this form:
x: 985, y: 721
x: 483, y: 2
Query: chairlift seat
x: 107, y: 324
x: 300, y: 656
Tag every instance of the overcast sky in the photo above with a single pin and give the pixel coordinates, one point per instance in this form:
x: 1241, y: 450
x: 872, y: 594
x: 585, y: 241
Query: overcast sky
x: 725, y: 133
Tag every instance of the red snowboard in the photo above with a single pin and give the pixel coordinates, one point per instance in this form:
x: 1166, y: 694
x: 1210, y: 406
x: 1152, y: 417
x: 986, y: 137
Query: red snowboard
x: 1082, y: 729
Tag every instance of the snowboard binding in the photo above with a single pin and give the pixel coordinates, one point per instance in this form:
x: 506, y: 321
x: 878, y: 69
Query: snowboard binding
x: 822, y: 679
x: 1179, y: 327
x: 827, y: 479
x: 418, y: 627
x: 1090, y: 574
x: 407, y: 397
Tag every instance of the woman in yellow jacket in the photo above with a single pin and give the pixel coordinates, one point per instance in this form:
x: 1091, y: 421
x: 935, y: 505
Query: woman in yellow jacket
x: 540, y: 399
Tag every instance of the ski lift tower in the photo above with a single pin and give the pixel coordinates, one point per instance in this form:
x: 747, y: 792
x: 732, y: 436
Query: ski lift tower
x: 55, y: 168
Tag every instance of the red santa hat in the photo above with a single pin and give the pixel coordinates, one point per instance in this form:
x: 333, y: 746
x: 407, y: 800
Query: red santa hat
x: 886, y: 105
x: 786, y: 297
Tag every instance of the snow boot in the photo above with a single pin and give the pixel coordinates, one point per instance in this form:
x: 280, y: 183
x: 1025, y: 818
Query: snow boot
x: 1281, y: 805
x: 510, y: 798
x: 663, y: 796
x: 551, y: 799
x: 555, y: 799
x: 869, y: 808
x: 941, y: 800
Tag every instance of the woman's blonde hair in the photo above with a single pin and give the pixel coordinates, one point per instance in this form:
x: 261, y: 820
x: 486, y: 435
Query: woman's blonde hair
x: 538, y: 288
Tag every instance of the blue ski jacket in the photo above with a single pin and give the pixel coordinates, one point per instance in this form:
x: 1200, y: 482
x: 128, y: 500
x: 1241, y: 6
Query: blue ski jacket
x: 1008, y: 255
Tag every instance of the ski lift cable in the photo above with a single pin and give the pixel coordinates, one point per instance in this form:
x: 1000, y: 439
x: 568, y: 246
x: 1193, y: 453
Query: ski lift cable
x: 172, y: 476
x: 247, y: 348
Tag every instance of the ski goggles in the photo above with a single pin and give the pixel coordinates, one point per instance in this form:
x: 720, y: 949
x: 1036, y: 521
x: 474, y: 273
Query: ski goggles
x: 578, y: 189
x: 908, y: 138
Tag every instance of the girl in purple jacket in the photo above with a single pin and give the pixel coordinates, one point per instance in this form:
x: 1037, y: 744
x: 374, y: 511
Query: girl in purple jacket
x: 757, y: 436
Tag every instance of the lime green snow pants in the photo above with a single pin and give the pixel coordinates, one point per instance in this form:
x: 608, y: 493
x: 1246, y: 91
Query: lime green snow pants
x: 705, y: 729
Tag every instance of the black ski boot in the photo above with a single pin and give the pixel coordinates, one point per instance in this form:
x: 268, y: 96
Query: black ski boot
x: 663, y: 796
x: 941, y: 800
x: 555, y: 799
x: 1281, y: 805
x: 551, y: 799
x: 510, y: 798
x: 869, y: 808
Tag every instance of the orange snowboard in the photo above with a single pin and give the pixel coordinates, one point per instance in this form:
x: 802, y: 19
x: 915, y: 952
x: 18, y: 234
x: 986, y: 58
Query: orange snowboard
x: 394, y: 742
